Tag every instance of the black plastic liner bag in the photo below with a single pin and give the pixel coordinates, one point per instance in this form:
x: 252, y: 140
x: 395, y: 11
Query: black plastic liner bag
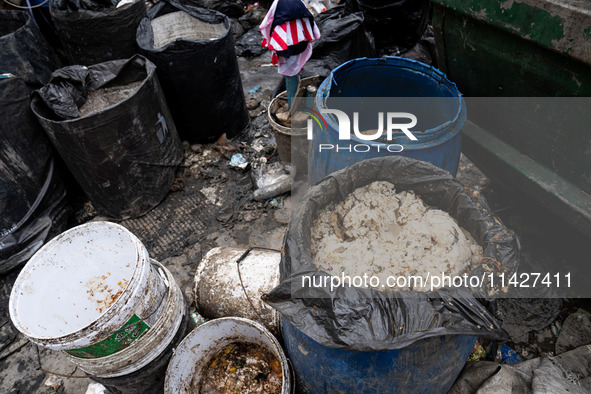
x: 344, y: 37
x: 398, y: 23
x: 32, y: 194
x: 96, y: 31
x: 193, y: 49
x: 123, y: 155
x: 24, y: 51
x: 361, y: 319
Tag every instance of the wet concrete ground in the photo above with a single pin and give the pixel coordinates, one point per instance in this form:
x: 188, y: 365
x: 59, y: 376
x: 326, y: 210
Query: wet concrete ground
x: 234, y: 220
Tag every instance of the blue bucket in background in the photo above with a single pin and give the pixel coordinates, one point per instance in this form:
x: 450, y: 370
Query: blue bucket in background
x: 429, y: 366
x: 438, y: 143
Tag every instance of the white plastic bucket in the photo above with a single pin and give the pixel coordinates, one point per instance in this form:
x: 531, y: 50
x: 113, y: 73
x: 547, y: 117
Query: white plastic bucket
x: 219, y: 293
x: 186, y: 367
x: 85, y: 285
x: 151, y: 345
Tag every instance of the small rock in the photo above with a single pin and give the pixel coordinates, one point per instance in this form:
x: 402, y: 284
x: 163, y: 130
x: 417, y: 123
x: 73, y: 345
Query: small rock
x: 96, y: 388
x: 195, y: 170
x: 197, y: 148
x: 225, y: 214
x: 283, y: 117
x: 54, y: 382
x: 194, y: 254
x: 283, y: 215
x: 575, y: 332
x: 249, y: 216
x: 253, y: 103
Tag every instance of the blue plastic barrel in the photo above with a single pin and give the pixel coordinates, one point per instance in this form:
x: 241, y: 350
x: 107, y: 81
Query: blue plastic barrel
x: 429, y: 366
x: 393, y: 77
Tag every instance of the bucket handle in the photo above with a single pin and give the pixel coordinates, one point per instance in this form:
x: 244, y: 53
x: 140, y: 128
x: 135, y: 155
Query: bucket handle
x: 240, y: 259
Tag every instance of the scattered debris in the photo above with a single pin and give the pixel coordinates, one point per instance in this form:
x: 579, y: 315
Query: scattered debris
x: 267, y: 174
x: 253, y: 103
x: 96, y: 388
x: 54, y: 382
x: 280, y: 186
x: 506, y: 355
x: 213, y: 195
x: 569, y: 372
x: 198, y: 319
x: 477, y: 353
x: 224, y: 145
x: 239, y: 161
x: 230, y: 194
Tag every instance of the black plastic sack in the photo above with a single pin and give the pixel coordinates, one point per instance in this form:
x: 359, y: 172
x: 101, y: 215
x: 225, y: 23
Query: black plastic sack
x: 95, y: 36
x: 23, y: 50
x: 124, y: 156
x: 32, y: 195
x: 394, y: 23
x: 344, y: 37
x: 200, y: 77
x: 369, y: 320
x: 249, y: 44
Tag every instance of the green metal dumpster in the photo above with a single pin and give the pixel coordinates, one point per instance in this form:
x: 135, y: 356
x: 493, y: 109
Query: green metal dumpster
x: 525, y: 48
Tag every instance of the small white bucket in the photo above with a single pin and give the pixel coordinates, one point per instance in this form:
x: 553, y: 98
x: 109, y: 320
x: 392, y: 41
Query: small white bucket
x: 85, y: 285
x: 190, y: 358
x: 219, y: 293
x: 151, y: 345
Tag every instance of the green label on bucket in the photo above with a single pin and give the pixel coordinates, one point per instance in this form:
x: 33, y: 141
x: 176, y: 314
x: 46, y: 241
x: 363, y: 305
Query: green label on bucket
x: 134, y: 329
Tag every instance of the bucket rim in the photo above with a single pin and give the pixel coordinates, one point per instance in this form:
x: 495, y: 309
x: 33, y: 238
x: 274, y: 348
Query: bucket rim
x: 109, y: 313
x: 430, y: 136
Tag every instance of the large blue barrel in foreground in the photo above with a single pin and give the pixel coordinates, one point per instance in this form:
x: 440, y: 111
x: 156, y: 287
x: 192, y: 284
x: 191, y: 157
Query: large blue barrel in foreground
x: 369, y: 86
x: 429, y: 366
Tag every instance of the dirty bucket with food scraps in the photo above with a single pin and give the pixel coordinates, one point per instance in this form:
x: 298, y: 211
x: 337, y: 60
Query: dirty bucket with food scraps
x: 230, y: 354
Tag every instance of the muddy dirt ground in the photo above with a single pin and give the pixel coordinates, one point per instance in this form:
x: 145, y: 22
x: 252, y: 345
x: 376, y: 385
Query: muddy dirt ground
x: 209, y: 205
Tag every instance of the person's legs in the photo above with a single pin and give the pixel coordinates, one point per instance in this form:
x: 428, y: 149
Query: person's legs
x: 291, y: 85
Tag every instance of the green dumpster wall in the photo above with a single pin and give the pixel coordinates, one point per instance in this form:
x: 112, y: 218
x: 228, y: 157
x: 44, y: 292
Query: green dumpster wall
x: 535, y: 48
